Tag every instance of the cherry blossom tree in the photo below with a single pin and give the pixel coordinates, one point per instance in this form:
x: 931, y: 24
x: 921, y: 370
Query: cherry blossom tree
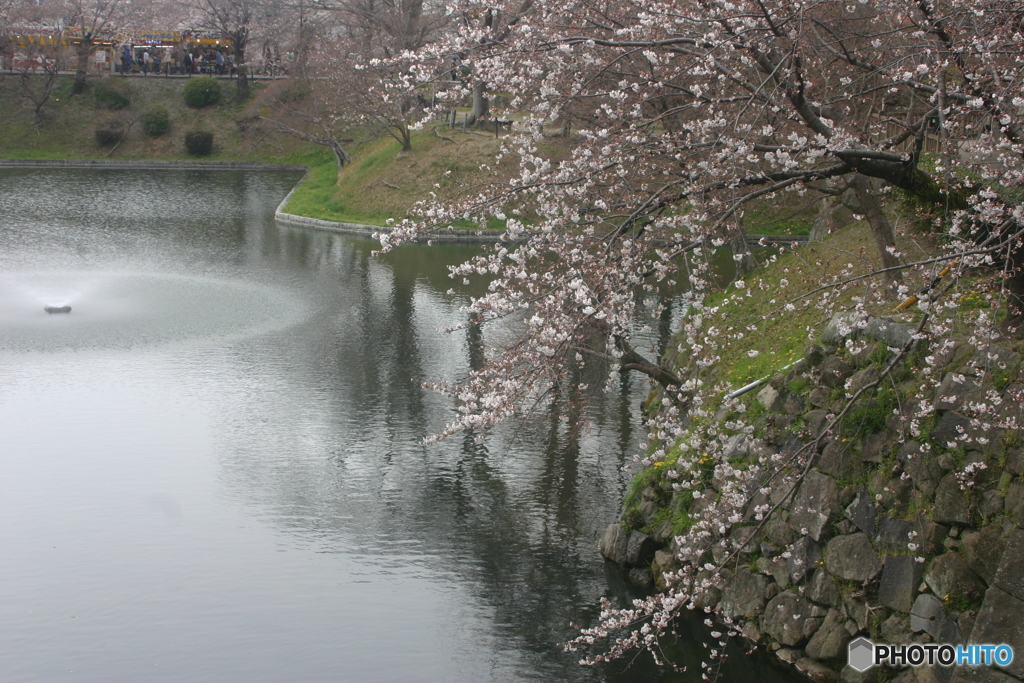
x: 684, y: 113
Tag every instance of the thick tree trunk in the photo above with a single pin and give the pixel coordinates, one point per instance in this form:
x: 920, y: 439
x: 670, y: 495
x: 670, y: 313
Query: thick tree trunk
x: 83, y: 51
x: 881, y: 228
x: 341, y: 158
x: 242, y: 69
x: 481, y: 105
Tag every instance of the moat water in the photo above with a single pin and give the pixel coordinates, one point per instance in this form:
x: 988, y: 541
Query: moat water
x: 212, y: 469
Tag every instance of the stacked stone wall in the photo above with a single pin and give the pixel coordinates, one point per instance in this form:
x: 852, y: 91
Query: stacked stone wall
x: 886, y: 537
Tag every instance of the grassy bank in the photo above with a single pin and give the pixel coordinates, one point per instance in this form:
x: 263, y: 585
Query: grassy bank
x: 67, y: 125
x: 382, y: 181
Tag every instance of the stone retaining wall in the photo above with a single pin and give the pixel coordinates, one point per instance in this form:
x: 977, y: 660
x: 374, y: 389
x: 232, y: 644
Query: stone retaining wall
x: 841, y: 558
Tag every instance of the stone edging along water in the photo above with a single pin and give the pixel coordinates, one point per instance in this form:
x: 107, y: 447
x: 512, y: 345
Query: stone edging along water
x: 465, y: 236
x: 280, y: 215
x: 150, y: 165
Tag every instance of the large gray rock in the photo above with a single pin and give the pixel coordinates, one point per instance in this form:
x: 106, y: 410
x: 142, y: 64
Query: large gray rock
x: 784, y: 618
x: 929, y: 674
x: 949, y: 577
x: 829, y: 641
x: 991, y: 503
x: 851, y: 675
x: 927, y: 615
x: 850, y: 323
x: 857, y: 613
x: 664, y: 563
x: 862, y: 511
x: 896, y: 335
x: 956, y: 391
x: 743, y: 595
x: 819, y: 397
x: 999, y: 621
x: 1014, y: 503
x: 1015, y: 460
x: 640, y: 549
x: 775, y: 567
x: 813, y: 355
x: 794, y: 404
x: 771, y: 399
x: 951, y: 429
x: 1010, y: 575
x: 839, y: 459
x: 822, y: 588
x: 835, y: 371
x: 901, y: 576
x: 816, y: 671
x: 778, y: 530
x: 930, y: 535
x: 893, y: 535
x: 705, y: 596
x: 995, y: 357
x: 804, y: 556
x: 922, y: 467
x: 843, y: 325
x: 951, y: 506
x: 862, y: 378
x: 873, y: 447
x: 815, y: 504
x: 816, y: 421
x: 891, y: 493
x: 983, y: 550
x: 613, y: 543
x: 852, y: 558
x: 896, y: 629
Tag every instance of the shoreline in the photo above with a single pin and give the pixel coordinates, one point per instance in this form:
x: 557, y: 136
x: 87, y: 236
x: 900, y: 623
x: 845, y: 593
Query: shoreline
x: 280, y: 215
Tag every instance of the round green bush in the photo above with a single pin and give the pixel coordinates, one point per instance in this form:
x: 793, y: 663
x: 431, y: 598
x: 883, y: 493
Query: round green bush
x: 112, y: 93
x: 201, y: 91
x: 199, y: 142
x: 108, y: 134
x: 155, y: 121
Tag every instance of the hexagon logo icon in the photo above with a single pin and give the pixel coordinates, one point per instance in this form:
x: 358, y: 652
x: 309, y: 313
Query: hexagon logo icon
x: 861, y: 654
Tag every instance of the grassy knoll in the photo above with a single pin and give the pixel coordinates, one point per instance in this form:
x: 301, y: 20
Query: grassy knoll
x: 384, y: 182
x: 757, y: 308
x: 67, y: 128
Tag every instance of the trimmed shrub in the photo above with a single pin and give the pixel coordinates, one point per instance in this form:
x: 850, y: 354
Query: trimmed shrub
x: 156, y: 121
x: 199, y: 142
x: 108, y: 134
x: 112, y: 93
x: 201, y: 92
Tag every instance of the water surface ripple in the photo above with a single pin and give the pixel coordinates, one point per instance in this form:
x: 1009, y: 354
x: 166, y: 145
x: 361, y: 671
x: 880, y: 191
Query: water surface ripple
x: 212, y: 469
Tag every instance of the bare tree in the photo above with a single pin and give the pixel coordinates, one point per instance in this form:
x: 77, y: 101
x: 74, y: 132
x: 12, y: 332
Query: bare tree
x: 311, y: 114
x: 89, y: 23
x: 235, y: 19
x: 37, y: 83
x: 357, y: 80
